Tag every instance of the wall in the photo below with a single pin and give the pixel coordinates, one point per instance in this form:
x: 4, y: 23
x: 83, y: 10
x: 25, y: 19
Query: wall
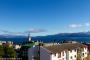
x: 63, y: 57
x: 72, y: 54
x: 44, y: 54
x: 84, y: 53
x: 32, y: 52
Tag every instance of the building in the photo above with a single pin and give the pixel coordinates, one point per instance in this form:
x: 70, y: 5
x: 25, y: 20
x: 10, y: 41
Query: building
x: 65, y: 51
x: 4, y: 42
x: 24, y: 49
x: 88, y: 44
x: 17, y: 47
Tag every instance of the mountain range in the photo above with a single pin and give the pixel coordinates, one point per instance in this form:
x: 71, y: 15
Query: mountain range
x: 80, y: 36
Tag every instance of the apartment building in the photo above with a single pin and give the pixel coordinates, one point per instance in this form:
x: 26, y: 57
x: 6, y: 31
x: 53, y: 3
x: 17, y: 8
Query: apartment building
x: 65, y: 51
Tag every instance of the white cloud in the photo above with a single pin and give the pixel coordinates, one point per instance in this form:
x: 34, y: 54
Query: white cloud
x: 36, y: 30
x: 87, y: 24
x: 79, y: 25
x: 22, y: 33
x: 75, y: 25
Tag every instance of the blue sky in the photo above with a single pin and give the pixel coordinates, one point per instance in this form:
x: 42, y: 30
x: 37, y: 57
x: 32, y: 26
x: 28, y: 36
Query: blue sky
x: 55, y: 16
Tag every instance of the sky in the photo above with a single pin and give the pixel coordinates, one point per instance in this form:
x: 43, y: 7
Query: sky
x: 52, y: 16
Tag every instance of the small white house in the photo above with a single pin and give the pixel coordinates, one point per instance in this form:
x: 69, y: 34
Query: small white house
x: 65, y: 51
x: 17, y: 46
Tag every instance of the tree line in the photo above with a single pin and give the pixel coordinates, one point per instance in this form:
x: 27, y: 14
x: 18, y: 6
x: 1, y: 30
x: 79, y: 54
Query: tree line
x: 7, y: 51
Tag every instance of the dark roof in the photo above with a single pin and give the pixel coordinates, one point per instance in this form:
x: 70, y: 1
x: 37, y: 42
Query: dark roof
x: 64, y: 46
x: 28, y: 45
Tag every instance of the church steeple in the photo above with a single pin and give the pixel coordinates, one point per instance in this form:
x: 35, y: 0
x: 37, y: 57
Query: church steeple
x: 29, y: 37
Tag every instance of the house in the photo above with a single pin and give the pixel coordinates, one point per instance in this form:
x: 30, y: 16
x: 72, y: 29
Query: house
x: 65, y: 51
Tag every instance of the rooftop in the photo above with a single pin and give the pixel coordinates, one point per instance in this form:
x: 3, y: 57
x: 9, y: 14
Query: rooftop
x: 64, y: 46
x: 30, y: 44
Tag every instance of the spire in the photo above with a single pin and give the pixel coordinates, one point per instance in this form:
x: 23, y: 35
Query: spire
x: 29, y: 37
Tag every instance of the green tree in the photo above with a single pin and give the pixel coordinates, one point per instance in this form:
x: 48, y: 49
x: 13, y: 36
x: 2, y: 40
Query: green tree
x: 1, y: 51
x: 9, y: 52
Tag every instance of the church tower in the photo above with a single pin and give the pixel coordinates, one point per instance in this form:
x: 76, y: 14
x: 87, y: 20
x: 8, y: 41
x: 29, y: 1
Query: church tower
x: 29, y: 37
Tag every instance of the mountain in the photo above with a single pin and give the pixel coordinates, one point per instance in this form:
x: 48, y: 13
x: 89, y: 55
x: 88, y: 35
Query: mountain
x: 80, y: 36
x: 15, y: 38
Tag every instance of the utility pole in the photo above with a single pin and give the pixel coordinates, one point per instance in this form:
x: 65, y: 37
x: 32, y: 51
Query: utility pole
x: 39, y: 52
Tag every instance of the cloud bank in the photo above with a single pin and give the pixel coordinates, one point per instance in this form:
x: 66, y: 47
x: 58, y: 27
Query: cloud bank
x: 22, y: 33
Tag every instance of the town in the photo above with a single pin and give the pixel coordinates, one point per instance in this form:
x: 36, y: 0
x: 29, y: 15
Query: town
x: 35, y: 50
x: 44, y: 29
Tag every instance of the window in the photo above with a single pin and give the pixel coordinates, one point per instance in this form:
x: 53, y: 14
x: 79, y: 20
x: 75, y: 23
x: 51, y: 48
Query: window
x: 71, y: 57
x: 63, y: 53
x: 83, y: 54
x: 59, y: 55
x: 62, y: 58
x: 54, y: 54
x: 70, y: 51
x: 75, y: 56
x: 75, y: 50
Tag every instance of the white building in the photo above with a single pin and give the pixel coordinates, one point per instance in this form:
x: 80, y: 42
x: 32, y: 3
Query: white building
x: 17, y: 46
x: 84, y: 53
x: 65, y: 51
x: 4, y: 42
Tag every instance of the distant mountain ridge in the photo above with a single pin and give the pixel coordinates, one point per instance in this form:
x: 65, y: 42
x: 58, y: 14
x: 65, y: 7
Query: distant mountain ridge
x: 80, y: 36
